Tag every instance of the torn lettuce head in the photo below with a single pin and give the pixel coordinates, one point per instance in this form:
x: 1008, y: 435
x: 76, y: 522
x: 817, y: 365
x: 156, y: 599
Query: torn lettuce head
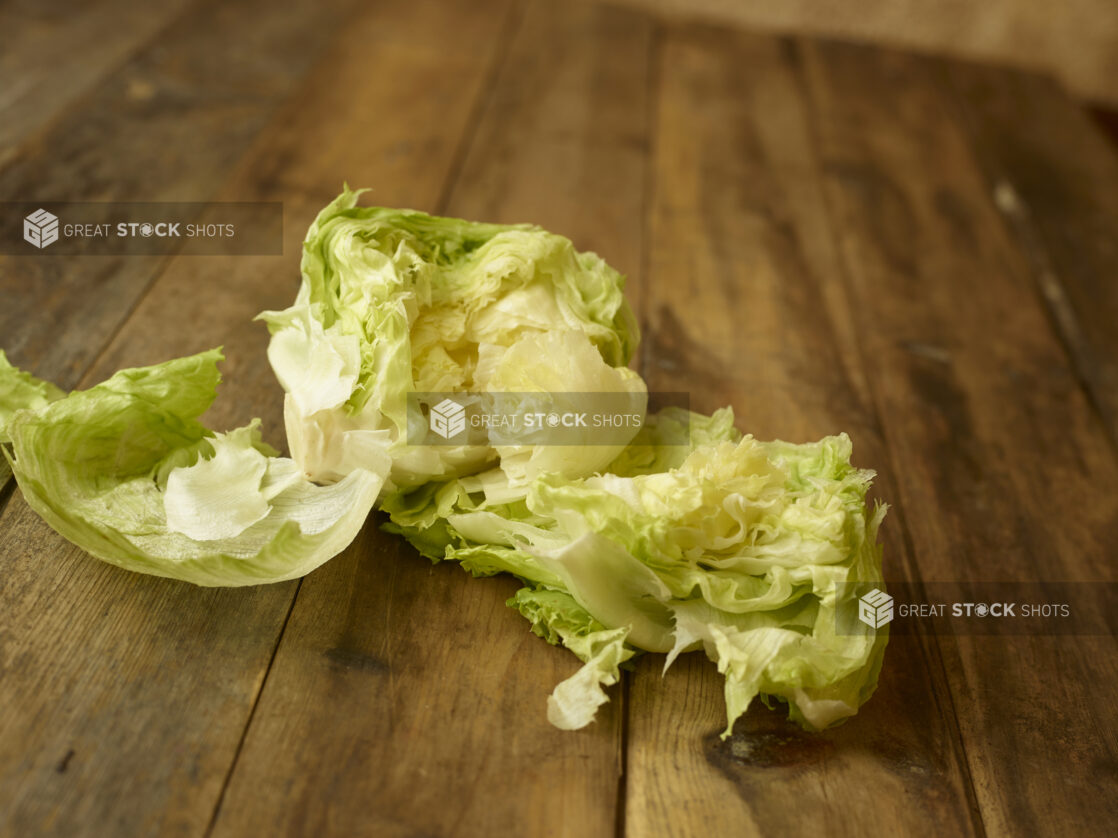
x: 738, y: 547
x: 127, y: 472
x: 396, y: 302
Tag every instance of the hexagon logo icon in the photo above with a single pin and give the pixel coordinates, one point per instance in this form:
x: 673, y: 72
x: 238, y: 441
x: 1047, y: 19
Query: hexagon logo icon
x: 40, y: 228
x: 875, y: 609
x: 448, y: 418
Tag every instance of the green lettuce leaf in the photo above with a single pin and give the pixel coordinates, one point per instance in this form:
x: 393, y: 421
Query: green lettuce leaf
x: 127, y: 472
x: 19, y: 390
x: 558, y: 618
x: 398, y: 301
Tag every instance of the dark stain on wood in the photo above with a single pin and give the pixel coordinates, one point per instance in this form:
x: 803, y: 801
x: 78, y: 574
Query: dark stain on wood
x: 64, y: 763
x: 347, y: 659
x: 786, y: 746
x: 945, y: 403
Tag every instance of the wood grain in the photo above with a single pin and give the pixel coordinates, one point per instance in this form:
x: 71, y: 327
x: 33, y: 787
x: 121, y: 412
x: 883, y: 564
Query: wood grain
x: 409, y: 699
x: 51, y: 54
x: 829, y: 237
x: 410, y: 167
x: 1053, y: 177
x: 122, y: 697
x: 746, y: 307
x: 1007, y: 472
x: 563, y: 141
x: 166, y: 126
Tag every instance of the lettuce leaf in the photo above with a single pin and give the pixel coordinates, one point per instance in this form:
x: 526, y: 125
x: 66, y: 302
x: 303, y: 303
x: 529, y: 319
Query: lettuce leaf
x: 19, y: 390
x: 556, y: 617
x: 127, y: 472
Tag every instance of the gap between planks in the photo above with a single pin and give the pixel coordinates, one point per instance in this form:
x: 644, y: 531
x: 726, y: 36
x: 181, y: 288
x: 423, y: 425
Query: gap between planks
x: 251, y: 714
x: 653, y: 81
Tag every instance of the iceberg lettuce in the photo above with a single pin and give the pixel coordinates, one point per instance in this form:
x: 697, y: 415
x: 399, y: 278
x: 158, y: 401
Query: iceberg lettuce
x: 683, y: 535
x: 738, y: 547
x: 127, y: 472
x: 395, y: 302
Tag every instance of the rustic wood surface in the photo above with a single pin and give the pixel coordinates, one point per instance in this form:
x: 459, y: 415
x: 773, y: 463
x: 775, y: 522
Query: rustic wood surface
x: 826, y: 236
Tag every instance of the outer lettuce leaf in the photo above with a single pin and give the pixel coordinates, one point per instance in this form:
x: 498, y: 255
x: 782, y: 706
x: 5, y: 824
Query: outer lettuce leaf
x: 222, y: 495
x: 614, y: 587
x: 19, y: 390
x: 575, y: 701
x: 398, y: 301
x: 104, y: 467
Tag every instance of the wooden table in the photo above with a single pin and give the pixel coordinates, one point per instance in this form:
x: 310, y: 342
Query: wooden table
x: 826, y: 236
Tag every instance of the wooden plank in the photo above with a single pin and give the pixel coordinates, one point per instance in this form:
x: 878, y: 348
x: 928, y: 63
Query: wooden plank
x: 1007, y: 473
x: 167, y: 126
x: 408, y: 699
x: 122, y: 697
x: 51, y: 55
x: 746, y: 307
x: 1053, y: 177
x: 564, y: 146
